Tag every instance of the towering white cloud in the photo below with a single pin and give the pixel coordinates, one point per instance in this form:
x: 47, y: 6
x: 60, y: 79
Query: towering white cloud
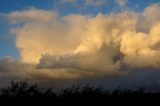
x: 55, y: 35
x: 77, y: 45
x: 73, y: 47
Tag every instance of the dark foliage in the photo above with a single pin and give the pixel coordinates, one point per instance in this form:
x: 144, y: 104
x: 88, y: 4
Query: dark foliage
x: 23, y: 90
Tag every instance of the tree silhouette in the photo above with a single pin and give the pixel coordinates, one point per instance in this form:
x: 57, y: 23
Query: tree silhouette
x: 23, y: 89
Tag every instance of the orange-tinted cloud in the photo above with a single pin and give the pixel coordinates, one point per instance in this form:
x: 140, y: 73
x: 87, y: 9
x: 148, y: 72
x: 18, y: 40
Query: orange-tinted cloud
x: 91, y: 45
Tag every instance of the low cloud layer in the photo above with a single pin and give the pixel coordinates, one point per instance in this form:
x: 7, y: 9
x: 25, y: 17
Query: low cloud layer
x: 78, y: 46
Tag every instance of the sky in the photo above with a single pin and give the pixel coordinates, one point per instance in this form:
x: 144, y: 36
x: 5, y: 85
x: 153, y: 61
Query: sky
x: 63, y: 7
x: 65, y: 42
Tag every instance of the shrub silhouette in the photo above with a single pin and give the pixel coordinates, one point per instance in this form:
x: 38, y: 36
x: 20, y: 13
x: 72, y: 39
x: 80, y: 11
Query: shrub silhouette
x: 84, y: 91
x: 23, y: 89
x: 23, y: 92
x: 20, y: 89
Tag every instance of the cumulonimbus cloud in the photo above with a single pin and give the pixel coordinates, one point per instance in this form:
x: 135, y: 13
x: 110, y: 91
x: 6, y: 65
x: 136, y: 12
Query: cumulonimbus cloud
x: 111, y: 43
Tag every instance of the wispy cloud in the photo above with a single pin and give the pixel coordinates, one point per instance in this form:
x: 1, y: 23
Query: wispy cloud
x: 95, y: 2
x: 121, y: 3
x: 68, y: 1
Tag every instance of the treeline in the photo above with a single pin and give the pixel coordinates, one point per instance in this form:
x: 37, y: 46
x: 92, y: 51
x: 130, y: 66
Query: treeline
x: 26, y: 89
x: 22, y: 90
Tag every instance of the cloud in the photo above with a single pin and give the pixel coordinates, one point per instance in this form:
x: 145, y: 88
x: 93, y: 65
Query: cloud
x: 11, y: 69
x: 69, y: 1
x: 84, y: 62
x: 31, y: 15
x: 95, y: 2
x: 121, y: 3
x: 140, y: 49
x: 87, y: 2
x: 57, y: 35
x: 58, y: 79
x: 113, y: 49
x: 140, y: 46
x: 81, y: 45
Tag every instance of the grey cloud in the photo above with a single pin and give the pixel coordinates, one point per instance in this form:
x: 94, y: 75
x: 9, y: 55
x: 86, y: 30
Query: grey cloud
x: 104, y: 60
